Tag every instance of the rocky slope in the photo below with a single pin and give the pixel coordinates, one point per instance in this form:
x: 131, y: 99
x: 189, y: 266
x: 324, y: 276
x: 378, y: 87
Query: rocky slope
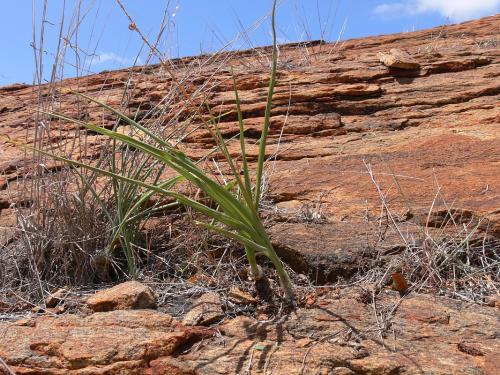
x: 337, y: 332
x: 369, y: 158
x: 428, y: 133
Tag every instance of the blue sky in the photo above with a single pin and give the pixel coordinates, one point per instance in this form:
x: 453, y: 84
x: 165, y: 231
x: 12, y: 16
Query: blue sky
x: 105, y: 41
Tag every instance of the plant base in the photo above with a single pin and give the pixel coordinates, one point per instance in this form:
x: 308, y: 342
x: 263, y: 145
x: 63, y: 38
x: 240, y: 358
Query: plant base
x: 262, y: 285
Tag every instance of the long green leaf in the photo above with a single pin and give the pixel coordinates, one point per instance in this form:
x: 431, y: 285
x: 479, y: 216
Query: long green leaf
x: 186, y: 167
x: 220, y: 140
x: 267, y: 115
x: 123, y: 117
x: 241, y: 125
x: 234, y: 236
x: 219, y: 216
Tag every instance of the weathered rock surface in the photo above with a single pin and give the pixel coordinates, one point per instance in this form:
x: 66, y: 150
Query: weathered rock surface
x: 116, y: 342
x: 429, y: 135
x: 425, y: 139
x: 343, y: 336
x: 342, y: 333
x: 124, y: 296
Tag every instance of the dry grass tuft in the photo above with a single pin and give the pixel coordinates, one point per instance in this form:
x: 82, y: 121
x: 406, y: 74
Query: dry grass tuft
x: 454, y: 255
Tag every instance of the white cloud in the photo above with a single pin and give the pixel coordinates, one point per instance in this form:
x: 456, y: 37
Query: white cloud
x: 391, y: 9
x: 456, y: 10
x: 112, y: 57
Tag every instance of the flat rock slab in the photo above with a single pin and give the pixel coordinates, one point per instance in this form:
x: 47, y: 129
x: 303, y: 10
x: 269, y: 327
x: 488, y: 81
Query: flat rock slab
x: 326, y: 252
x: 338, y: 334
x: 342, y: 336
x: 102, y: 343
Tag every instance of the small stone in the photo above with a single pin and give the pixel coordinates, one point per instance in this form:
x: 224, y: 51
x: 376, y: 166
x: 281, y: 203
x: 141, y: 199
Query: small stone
x: 206, y: 310
x: 240, y: 297
x: 310, y: 299
x: 303, y: 278
x: 303, y: 343
x: 493, y: 301
x: 55, y: 298
x: 262, y: 317
x: 38, y: 310
x: 398, y: 59
x: 470, y: 348
x: 201, y: 278
x: 56, y: 310
x: 291, y: 205
x: 131, y: 295
x: 399, y: 283
x: 342, y: 371
x: 27, y: 322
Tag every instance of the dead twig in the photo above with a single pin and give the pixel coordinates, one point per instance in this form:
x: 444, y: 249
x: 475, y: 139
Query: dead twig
x: 6, y: 367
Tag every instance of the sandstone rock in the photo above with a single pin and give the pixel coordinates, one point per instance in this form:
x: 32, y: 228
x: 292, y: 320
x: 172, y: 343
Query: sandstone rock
x: 342, y: 109
x: 240, y: 327
x: 421, y: 131
x: 128, y: 295
x: 27, y: 322
x: 342, y: 336
x: 206, y: 310
x: 49, y: 310
x: 491, y: 363
x: 170, y: 366
x: 493, y: 301
x: 398, y: 59
x: 344, y: 340
x: 201, y: 278
x: 240, y: 297
x: 103, y: 343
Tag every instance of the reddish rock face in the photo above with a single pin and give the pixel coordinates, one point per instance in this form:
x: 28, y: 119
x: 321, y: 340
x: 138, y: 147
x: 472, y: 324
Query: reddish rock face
x: 429, y: 135
x: 102, y: 343
x: 338, y: 334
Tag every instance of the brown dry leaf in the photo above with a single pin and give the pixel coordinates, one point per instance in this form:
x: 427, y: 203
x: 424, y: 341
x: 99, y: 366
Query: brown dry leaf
x: 399, y: 283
